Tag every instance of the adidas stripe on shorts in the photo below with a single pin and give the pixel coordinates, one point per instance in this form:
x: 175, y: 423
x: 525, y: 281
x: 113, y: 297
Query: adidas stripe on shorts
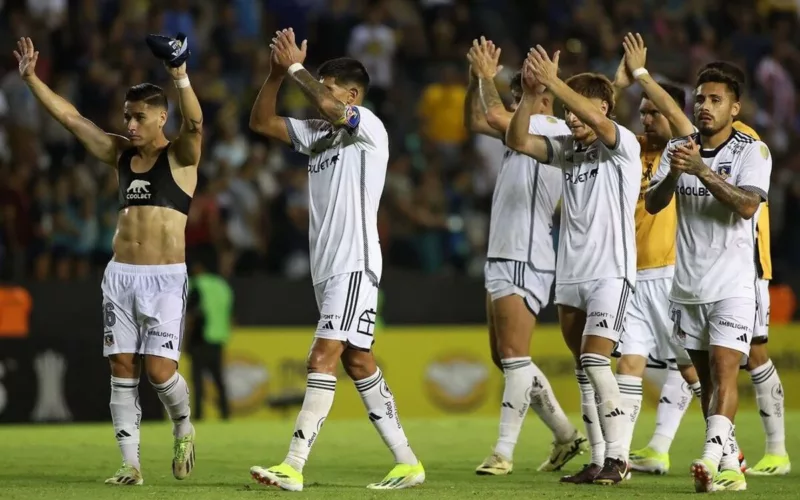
x: 605, y: 302
x: 144, y: 309
x: 347, y: 306
x: 725, y: 323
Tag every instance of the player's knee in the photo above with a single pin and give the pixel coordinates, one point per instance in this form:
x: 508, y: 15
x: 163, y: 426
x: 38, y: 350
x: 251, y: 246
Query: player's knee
x: 759, y: 355
x: 124, y: 365
x: 159, y: 370
x: 324, y: 356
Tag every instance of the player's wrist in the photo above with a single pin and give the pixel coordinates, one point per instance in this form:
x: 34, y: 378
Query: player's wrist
x: 638, y: 73
x: 294, y: 68
x: 181, y: 82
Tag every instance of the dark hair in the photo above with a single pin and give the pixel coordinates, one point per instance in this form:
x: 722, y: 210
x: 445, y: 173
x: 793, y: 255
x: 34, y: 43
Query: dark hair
x: 346, y: 70
x: 148, y: 93
x: 729, y: 69
x: 516, y: 82
x: 593, y: 86
x: 677, y: 93
x: 714, y: 75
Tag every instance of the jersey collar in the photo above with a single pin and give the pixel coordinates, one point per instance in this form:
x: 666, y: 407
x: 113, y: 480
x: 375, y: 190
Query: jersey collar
x: 711, y: 153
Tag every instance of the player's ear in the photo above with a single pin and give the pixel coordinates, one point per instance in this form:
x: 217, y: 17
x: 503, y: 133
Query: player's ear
x: 162, y: 118
x: 737, y: 106
x: 352, y: 95
x: 604, y: 107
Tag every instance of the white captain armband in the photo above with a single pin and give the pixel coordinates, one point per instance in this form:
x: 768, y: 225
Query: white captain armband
x: 351, y: 118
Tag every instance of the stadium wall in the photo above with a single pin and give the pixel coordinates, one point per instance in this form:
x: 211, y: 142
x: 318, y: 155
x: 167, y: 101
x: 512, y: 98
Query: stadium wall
x: 54, y: 370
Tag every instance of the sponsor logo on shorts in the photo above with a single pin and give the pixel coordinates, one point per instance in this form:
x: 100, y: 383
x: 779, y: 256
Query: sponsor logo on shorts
x: 735, y: 326
x: 330, y: 316
x: 597, y: 314
x: 166, y: 335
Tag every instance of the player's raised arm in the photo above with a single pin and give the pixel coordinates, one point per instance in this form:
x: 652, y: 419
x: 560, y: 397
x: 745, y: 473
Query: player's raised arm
x: 662, y: 185
x: 545, y: 71
x: 749, y: 189
x: 264, y: 118
x: 635, y: 57
x: 188, y: 145
x: 518, y: 136
x: 101, y: 145
x: 487, y: 109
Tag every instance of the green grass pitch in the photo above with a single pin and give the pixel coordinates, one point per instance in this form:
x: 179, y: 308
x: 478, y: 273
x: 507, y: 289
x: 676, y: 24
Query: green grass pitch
x: 71, y: 462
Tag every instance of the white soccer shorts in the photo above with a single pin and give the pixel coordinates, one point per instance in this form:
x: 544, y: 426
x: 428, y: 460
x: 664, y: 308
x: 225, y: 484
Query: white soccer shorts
x: 761, y: 329
x: 648, y: 327
x: 144, y: 309
x: 605, y: 302
x: 347, y: 306
x: 512, y: 277
x: 725, y: 323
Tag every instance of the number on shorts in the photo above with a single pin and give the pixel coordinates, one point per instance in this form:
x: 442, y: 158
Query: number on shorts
x: 109, y: 316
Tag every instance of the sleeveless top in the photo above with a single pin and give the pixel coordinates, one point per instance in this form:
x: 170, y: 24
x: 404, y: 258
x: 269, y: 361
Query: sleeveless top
x: 154, y: 188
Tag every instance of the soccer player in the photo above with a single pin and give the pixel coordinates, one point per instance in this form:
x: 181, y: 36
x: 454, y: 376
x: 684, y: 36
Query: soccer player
x: 348, y: 151
x: 596, y: 264
x: 144, y: 286
x: 648, y: 328
x: 721, y: 177
x: 521, y: 264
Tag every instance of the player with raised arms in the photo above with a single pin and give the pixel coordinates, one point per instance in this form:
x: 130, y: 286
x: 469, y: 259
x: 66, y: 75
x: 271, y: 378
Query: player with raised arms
x: 348, y: 153
x: 144, y: 285
x: 596, y: 264
x: 720, y: 177
x: 520, y: 268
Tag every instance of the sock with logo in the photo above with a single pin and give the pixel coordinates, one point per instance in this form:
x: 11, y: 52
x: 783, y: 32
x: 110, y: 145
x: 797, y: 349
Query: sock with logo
x: 609, y: 404
x: 320, y: 389
x: 519, y: 375
x: 174, y: 395
x: 126, y: 415
x: 545, y: 404
x: 676, y: 396
x: 730, y: 453
x: 594, y: 433
x: 769, y: 396
x: 630, y: 390
x: 718, y: 430
x: 382, y: 410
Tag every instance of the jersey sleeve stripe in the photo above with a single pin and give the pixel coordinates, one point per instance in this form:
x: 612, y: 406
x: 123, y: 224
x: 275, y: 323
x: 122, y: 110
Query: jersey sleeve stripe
x: 617, y: 138
x: 292, y: 134
x: 756, y: 190
x: 550, y: 150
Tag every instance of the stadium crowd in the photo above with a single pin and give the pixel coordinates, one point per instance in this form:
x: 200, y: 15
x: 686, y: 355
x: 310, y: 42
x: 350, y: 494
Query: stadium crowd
x: 58, y: 207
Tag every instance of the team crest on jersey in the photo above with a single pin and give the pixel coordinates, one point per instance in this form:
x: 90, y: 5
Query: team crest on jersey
x: 724, y: 169
x: 592, y: 155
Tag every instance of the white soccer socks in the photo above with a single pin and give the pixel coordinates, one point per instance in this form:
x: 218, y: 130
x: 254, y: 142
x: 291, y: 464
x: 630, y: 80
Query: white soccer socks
x: 590, y: 419
x: 609, y: 404
x: 718, y: 430
x: 518, y: 373
x: 630, y: 389
x: 174, y: 395
x: 769, y: 396
x: 126, y: 415
x: 544, y: 403
x: 320, y: 389
x: 382, y: 411
x: 730, y: 453
x: 676, y: 397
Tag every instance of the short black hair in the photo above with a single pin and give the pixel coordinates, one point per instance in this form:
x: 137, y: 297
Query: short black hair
x: 677, y: 93
x: 714, y: 75
x: 729, y: 69
x: 346, y: 70
x: 516, y: 82
x: 148, y: 93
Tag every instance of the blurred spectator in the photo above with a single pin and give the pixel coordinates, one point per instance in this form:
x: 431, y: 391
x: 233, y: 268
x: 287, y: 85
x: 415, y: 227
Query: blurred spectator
x: 373, y: 43
x: 441, y: 114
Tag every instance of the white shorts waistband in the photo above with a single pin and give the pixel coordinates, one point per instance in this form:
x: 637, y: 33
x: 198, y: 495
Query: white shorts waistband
x: 162, y: 269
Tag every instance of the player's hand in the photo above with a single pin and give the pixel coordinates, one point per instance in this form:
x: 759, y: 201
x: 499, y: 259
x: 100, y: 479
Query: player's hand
x: 176, y: 73
x: 285, y: 50
x: 635, y: 51
x: 544, y: 69
x: 529, y: 82
x: 623, y: 77
x: 26, y: 57
x: 484, y: 57
x: 686, y: 159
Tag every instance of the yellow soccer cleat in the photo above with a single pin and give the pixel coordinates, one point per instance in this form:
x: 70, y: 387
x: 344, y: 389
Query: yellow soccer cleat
x: 183, y: 456
x: 729, y: 480
x: 495, y: 465
x: 650, y: 461
x: 400, y: 477
x: 703, y: 472
x: 282, y: 476
x: 561, y: 453
x: 771, y: 465
x: 127, y: 475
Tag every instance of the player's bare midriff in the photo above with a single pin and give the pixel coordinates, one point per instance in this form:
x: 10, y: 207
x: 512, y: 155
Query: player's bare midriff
x: 150, y: 236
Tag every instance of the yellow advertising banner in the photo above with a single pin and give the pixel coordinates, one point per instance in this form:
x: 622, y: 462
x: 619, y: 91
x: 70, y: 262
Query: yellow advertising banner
x: 432, y: 371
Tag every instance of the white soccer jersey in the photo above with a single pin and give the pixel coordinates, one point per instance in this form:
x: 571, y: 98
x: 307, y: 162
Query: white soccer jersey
x: 346, y: 174
x: 601, y: 186
x: 525, y: 198
x: 715, y: 248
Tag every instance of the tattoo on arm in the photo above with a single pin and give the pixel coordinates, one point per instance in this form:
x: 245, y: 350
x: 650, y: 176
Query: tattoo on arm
x: 489, y: 96
x: 194, y: 126
x: 319, y: 95
x: 741, y: 202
